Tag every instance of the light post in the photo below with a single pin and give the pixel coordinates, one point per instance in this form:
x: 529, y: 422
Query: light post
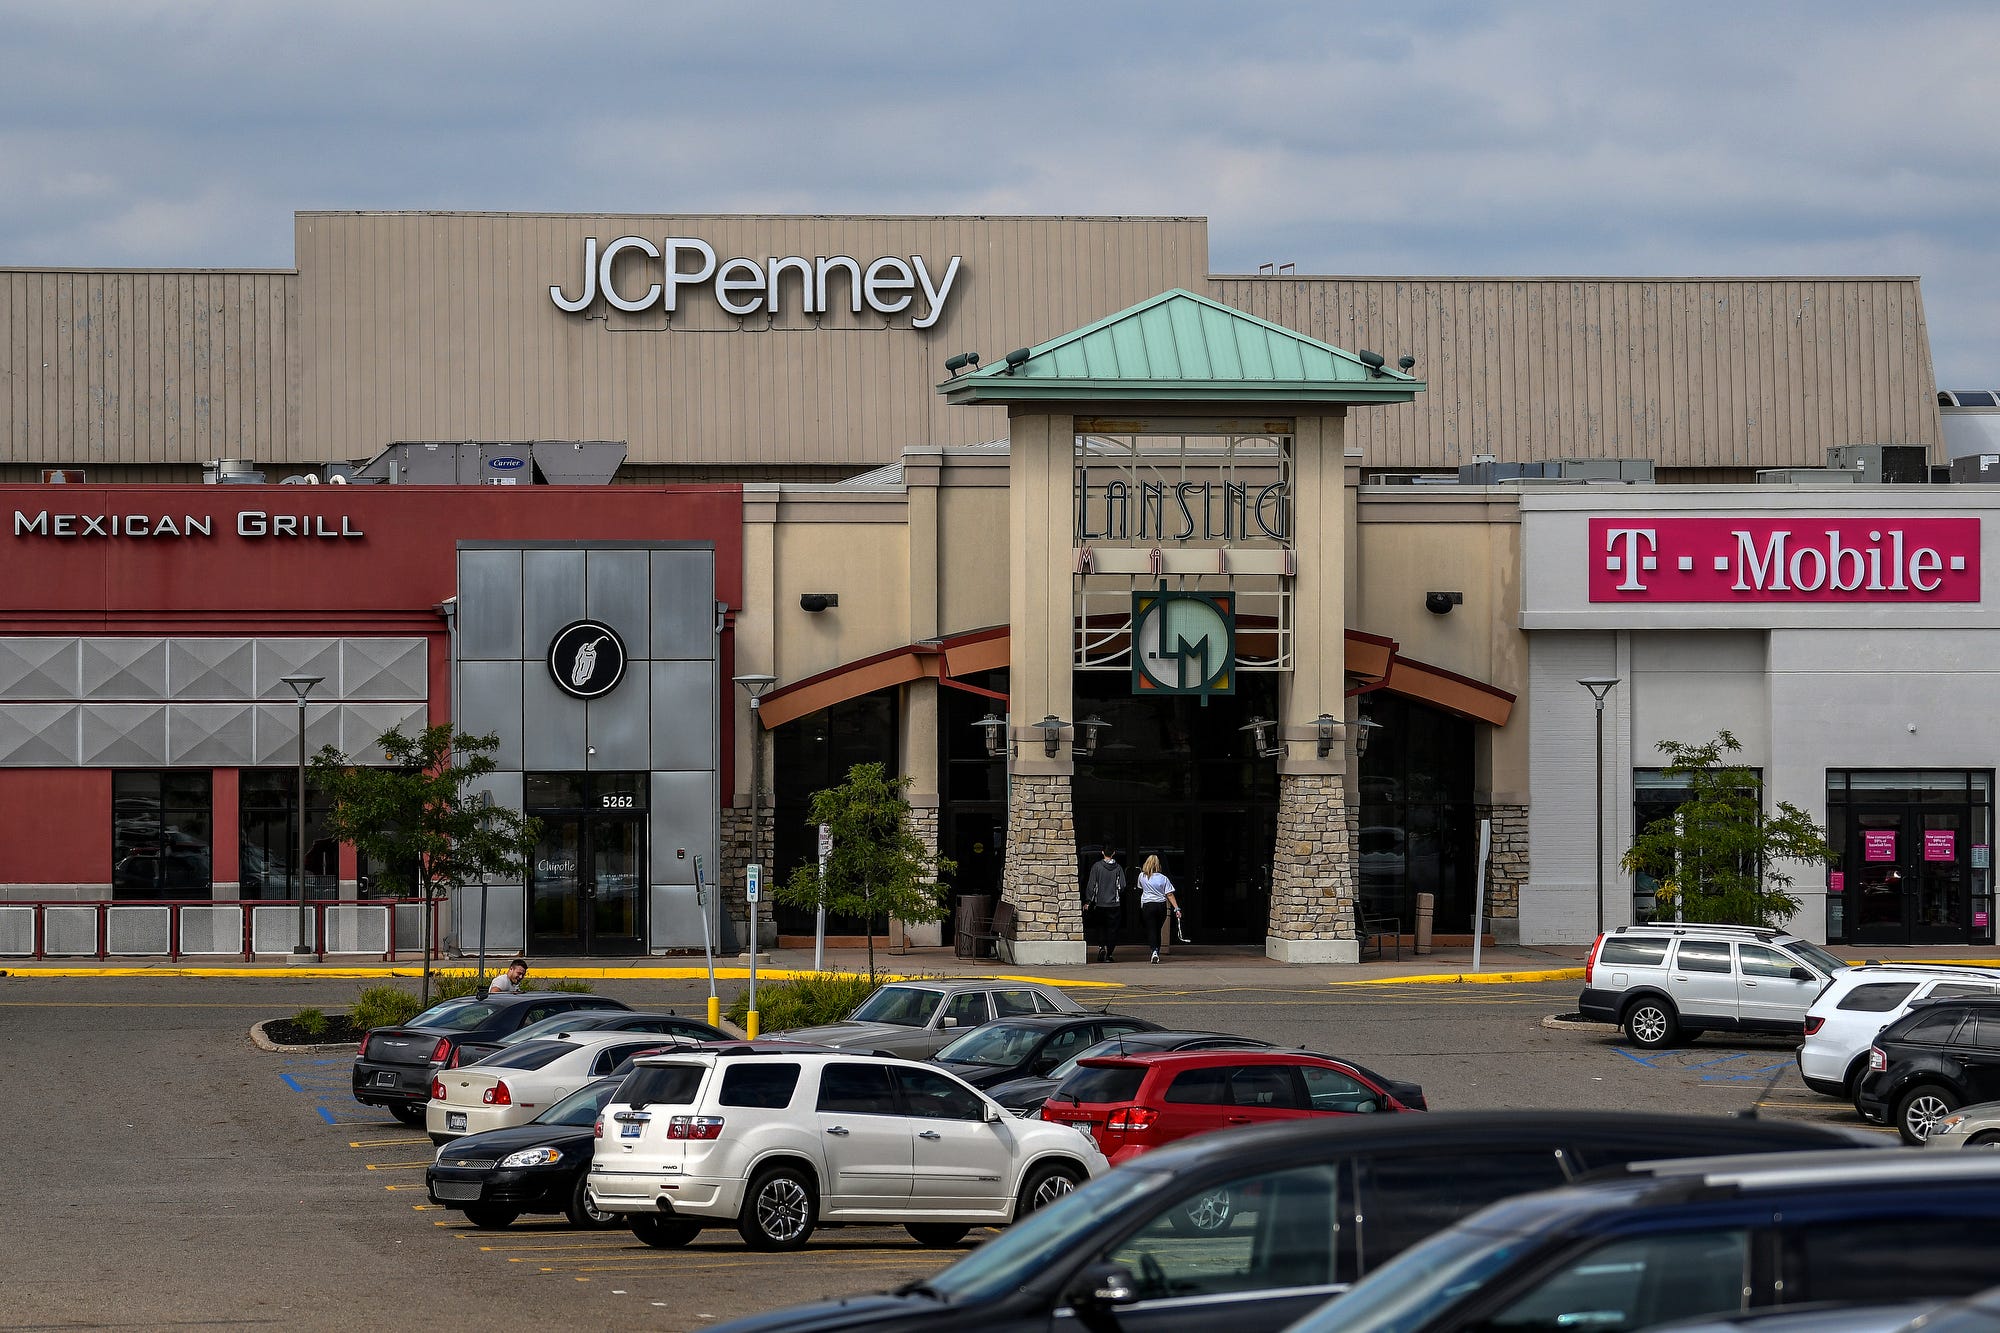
x: 755, y: 683
x: 302, y: 686
x: 1599, y: 686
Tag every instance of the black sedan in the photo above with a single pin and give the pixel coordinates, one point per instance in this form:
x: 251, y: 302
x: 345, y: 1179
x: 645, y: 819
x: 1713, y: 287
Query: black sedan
x: 394, y: 1066
x: 1024, y: 1096
x: 1030, y: 1046
x: 1250, y: 1230
x: 539, y: 1167
x: 666, y: 1023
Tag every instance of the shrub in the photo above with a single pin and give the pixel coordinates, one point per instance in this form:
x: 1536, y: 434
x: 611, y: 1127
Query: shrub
x: 807, y: 1001
x: 383, y: 1007
x: 312, y: 1022
x: 569, y: 986
x: 453, y: 985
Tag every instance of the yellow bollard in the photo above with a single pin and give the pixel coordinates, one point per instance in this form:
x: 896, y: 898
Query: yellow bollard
x: 750, y: 1025
x: 715, y: 1011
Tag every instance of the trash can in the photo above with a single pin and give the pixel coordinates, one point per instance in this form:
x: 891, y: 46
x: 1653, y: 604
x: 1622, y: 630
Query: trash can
x: 974, y: 918
x: 1426, y: 908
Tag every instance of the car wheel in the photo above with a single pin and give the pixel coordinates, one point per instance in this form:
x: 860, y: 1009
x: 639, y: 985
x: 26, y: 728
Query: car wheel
x: 779, y: 1210
x: 410, y: 1113
x: 582, y: 1212
x: 1044, y: 1186
x: 1920, y: 1109
x: 490, y: 1219
x: 937, y: 1235
x: 665, y: 1233
x: 1651, y: 1023
x: 1204, y: 1215
x: 1988, y: 1139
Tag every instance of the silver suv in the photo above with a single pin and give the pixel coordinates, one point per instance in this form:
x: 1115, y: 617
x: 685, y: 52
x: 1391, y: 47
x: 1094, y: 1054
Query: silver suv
x: 1664, y: 983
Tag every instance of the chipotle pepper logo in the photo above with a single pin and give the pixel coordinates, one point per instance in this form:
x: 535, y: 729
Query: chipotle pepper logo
x: 1781, y: 560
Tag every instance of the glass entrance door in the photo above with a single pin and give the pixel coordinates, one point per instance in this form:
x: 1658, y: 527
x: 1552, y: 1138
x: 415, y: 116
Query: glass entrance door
x: 587, y: 878
x: 617, y: 880
x: 1909, y: 883
x: 1875, y: 898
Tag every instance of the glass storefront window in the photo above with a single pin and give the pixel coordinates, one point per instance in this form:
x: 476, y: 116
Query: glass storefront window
x: 1419, y: 826
x: 1657, y: 795
x: 1913, y: 856
x: 268, y: 837
x: 810, y: 755
x: 161, y: 831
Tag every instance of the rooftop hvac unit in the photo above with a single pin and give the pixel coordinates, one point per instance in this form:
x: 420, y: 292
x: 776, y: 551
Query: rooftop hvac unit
x: 1976, y: 470
x: 1805, y: 476
x: 494, y: 463
x: 1882, y: 464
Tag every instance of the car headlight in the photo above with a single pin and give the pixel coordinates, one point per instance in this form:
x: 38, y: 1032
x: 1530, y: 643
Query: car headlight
x: 1949, y: 1125
x: 533, y: 1157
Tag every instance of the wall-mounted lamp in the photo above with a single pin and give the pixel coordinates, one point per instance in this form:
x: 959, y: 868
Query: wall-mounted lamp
x: 1087, y: 734
x: 1372, y: 360
x: 963, y: 361
x: 1261, y: 743
x: 1406, y: 363
x: 817, y: 602
x: 1016, y: 358
x: 1367, y: 727
x: 1324, y: 731
x: 1441, y: 603
x: 995, y: 728
x: 1052, y: 730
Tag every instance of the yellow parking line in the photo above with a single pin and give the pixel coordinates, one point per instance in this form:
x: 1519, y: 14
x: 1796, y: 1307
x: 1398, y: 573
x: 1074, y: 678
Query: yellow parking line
x: 385, y: 1143
x: 397, y: 1166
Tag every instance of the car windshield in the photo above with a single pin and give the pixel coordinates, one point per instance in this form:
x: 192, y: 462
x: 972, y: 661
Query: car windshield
x: 461, y: 1015
x: 1415, y: 1286
x: 998, y: 1045
x: 902, y: 1006
x: 1023, y: 1250
x: 1818, y: 957
x: 582, y: 1020
x: 580, y: 1107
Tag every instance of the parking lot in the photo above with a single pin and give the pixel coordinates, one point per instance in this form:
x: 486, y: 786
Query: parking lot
x: 170, y: 1173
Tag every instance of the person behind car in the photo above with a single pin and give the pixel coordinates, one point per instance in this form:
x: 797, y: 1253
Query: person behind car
x: 512, y: 980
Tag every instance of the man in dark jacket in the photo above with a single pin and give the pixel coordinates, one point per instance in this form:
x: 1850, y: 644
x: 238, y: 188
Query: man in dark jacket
x: 1103, y: 901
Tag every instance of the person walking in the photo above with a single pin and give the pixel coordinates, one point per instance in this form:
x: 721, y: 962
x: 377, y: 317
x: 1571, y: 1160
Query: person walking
x: 1103, y: 899
x: 1156, y: 899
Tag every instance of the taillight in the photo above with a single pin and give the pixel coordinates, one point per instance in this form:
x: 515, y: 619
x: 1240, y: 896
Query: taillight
x: 456, y: 1052
x: 699, y: 1128
x: 1877, y: 1061
x: 437, y: 1089
x: 1814, y: 1023
x: 1590, y: 963
x: 442, y: 1051
x: 497, y: 1095
x: 1131, y: 1119
x: 597, y: 1128
x: 362, y: 1054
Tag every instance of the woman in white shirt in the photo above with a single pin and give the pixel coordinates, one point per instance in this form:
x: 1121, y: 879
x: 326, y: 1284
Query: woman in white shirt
x: 1156, y: 899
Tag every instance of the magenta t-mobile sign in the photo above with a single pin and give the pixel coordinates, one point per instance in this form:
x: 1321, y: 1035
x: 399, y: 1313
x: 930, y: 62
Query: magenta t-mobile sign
x: 1784, y: 560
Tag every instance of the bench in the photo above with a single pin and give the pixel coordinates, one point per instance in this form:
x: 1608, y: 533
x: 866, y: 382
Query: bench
x: 1001, y: 927
x: 1372, y: 930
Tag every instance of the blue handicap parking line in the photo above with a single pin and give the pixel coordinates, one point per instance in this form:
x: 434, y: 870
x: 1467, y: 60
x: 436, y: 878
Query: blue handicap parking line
x: 1635, y: 1059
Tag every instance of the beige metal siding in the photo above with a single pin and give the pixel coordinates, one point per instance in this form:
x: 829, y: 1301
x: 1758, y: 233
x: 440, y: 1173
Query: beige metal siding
x: 1689, y: 372
x: 149, y: 366
x: 439, y: 326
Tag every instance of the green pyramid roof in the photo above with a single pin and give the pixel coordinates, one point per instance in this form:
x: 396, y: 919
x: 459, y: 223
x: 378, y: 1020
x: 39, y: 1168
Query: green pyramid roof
x: 1180, y: 347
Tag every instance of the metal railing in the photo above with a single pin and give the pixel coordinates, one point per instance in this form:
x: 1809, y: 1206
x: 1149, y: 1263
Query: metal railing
x: 211, y: 928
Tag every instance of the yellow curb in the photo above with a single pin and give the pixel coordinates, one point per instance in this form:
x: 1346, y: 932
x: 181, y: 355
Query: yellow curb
x: 553, y: 973
x: 1470, y: 978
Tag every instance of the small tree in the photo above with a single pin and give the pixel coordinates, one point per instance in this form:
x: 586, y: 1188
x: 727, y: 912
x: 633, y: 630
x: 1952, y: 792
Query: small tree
x: 416, y: 815
x: 878, y: 864
x: 1718, y: 857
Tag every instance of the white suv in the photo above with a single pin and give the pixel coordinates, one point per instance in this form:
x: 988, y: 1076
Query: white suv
x: 779, y: 1141
x: 1844, y: 1021
x: 1664, y: 982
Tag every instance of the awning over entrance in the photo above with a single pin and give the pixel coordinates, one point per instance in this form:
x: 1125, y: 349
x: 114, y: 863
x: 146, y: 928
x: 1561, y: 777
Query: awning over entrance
x: 1371, y: 659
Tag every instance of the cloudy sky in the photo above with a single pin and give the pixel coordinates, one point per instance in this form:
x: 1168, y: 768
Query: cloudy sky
x: 1409, y: 138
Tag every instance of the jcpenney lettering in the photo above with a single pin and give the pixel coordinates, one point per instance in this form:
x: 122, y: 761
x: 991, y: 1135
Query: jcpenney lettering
x: 249, y: 523
x: 656, y: 274
x: 1767, y: 560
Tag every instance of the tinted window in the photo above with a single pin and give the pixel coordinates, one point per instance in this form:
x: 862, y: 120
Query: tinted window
x: 1757, y: 961
x: 904, y: 1006
x: 1333, y: 1090
x: 932, y: 1096
x: 661, y: 1085
x: 1877, y: 997
x: 454, y: 1016
x: 611, y: 1057
x: 856, y: 1090
x: 1639, y: 953
x: 1258, y: 1233
x: 968, y: 1010
x: 1100, y: 1083
x: 1631, y: 1284
x: 533, y: 1055
x: 1894, y: 1259
x: 1932, y: 1025
x: 1012, y: 1003
x: 1267, y: 1086
x: 1203, y: 1087
x: 1948, y: 990
x: 1981, y: 1032
x: 759, y: 1084
x: 1408, y: 1197
x: 1701, y: 956
x: 580, y: 1107
x: 1062, y: 1046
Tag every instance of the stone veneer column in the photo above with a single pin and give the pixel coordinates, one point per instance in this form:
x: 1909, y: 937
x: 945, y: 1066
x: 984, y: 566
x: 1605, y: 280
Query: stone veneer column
x: 1312, y: 873
x: 924, y: 823
x: 1040, y: 878
x: 1506, y: 869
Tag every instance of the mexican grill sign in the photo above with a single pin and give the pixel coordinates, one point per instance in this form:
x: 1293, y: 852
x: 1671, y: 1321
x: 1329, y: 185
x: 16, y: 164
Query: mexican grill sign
x: 1804, y: 560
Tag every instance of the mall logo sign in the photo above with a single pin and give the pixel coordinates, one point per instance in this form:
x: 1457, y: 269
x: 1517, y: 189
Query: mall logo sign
x: 1789, y: 560
x: 888, y: 286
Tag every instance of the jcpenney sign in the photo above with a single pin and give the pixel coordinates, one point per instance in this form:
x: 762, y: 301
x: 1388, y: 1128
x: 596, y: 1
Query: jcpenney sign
x: 655, y: 275
x: 1784, y: 560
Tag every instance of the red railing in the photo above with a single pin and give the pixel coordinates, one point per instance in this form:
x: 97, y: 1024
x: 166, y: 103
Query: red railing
x: 126, y: 928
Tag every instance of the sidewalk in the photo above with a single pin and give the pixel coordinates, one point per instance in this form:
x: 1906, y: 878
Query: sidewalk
x: 1187, y: 966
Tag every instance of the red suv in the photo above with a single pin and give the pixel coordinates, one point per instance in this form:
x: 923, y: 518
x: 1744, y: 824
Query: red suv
x: 1130, y: 1103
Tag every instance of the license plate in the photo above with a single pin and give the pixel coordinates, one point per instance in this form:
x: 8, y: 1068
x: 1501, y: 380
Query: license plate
x: 629, y: 1131
x: 454, y: 1120
x: 385, y: 1080
x: 458, y: 1190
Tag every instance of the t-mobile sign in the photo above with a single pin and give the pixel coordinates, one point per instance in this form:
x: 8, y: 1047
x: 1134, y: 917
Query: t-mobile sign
x: 1784, y: 560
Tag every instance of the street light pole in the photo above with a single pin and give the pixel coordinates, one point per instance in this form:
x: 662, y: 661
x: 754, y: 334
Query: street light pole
x: 1599, y: 686
x: 755, y: 683
x: 302, y: 686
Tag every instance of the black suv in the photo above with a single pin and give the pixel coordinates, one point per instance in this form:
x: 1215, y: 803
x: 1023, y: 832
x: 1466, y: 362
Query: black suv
x: 1940, y: 1056
x: 1249, y: 1230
